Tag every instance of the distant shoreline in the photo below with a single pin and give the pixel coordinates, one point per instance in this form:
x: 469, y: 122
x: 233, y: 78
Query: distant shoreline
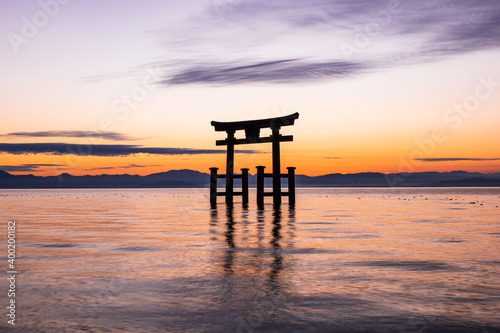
x: 195, y: 179
x: 251, y: 187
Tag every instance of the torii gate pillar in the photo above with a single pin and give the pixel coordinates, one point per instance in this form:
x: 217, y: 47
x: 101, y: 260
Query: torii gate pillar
x: 276, y: 166
x: 230, y: 168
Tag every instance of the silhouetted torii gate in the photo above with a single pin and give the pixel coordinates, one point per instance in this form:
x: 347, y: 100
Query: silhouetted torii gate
x: 252, y: 135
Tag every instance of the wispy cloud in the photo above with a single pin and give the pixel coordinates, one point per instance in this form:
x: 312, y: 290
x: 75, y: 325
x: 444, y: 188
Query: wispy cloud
x: 454, y: 159
x: 129, y: 166
x: 288, y: 41
x: 332, y: 158
x: 29, y: 167
x: 73, y: 134
x: 103, y: 150
x: 282, y: 71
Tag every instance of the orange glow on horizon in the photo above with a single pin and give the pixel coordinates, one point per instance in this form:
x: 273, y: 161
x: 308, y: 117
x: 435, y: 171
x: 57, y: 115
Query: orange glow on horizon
x: 310, y: 163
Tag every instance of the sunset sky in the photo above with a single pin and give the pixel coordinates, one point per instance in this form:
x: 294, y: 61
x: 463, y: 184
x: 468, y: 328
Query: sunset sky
x: 380, y: 86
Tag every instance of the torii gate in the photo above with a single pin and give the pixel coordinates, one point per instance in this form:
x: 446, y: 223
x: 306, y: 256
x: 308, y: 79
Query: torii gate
x: 252, y: 131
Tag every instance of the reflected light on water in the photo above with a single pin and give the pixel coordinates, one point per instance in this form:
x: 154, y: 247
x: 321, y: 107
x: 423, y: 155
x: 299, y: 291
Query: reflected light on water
x: 342, y: 260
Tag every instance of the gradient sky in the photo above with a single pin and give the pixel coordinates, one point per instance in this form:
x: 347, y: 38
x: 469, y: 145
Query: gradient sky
x: 383, y: 86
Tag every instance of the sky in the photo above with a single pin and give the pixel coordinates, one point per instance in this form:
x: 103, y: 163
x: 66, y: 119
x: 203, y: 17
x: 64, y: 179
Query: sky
x: 94, y: 87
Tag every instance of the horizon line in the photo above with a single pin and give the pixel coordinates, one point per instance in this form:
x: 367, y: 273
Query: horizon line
x: 208, y: 174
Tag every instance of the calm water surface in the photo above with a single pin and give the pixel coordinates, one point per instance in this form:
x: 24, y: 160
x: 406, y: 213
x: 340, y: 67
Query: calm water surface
x: 344, y: 260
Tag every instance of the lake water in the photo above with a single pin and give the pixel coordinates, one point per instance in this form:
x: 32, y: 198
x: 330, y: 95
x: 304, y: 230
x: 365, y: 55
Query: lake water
x: 344, y: 260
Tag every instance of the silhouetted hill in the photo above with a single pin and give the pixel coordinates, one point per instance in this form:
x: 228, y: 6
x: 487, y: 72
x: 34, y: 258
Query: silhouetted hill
x: 479, y: 181
x: 4, y: 174
x: 190, y: 178
x: 381, y: 179
x: 185, y: 175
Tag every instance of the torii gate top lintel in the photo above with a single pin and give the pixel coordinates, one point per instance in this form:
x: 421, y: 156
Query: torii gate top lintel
x: 276, y: 122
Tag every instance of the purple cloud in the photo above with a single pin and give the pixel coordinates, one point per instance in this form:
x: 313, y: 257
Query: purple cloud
x: 103, y: 150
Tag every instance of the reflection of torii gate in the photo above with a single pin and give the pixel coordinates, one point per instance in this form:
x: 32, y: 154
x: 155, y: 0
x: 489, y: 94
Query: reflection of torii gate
x: 252, y: 131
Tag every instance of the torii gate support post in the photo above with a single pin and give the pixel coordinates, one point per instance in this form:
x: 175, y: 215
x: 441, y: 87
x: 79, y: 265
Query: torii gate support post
x: 291, y: 186
x: 213, y: 186
x: 230, y: 167
x: 276, y: 166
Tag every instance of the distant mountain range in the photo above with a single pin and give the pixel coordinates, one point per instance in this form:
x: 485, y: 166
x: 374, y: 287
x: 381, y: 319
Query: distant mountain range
x: 190, y: 178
